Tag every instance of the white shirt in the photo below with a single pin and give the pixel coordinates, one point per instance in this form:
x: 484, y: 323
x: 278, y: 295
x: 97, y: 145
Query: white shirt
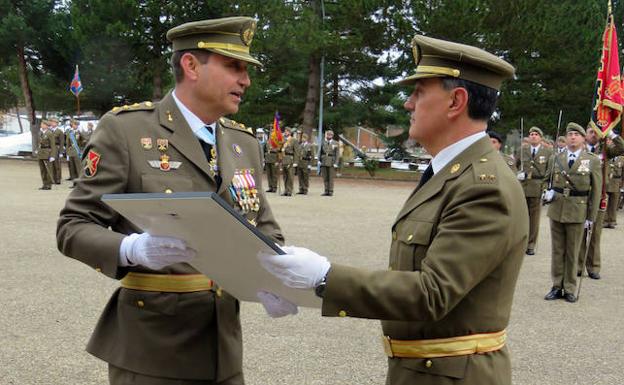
x: 450, y: 152
x: 575, y: 153
x: 535, y: 149
x: 193, y: 121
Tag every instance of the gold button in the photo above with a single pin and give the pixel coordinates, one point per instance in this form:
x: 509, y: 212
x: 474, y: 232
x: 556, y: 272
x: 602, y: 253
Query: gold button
x: 410, y: 237
x: 168, y: 191
x: 428, y: 363
x: 219, y: 292
x: 342, y: 313
x: 394, y: 235
x: 140, y: 303
x: 98, y: 269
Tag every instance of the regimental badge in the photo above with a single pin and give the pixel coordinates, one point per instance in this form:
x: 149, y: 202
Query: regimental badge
x: 164, y: 162
x: 455, y: 168
x: 91, y: 163
x: 146, y: 143
x: 247, y: 34
x: 541, y: 159
x: 173, y: 165
x: 238, y: 151
x: 162, y: 144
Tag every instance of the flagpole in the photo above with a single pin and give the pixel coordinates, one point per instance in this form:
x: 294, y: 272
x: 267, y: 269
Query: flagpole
x: 78, y: 105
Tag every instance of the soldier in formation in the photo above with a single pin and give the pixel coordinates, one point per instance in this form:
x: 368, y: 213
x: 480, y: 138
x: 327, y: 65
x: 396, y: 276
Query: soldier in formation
x: 59, y: 141
x: 616, y: 167
x: 272, y: 162
x: 74, y: 143
x: 304, y: 164
x: 574, y: 198
x: 290, y: 154
x: 168, y: 323
x: 497, y: 143
x: 46, y: 152
x: 533, y: 163
x: 328, y: 162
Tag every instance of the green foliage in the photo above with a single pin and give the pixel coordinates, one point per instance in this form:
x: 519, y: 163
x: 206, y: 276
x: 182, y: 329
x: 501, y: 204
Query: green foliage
x: 370, y: 165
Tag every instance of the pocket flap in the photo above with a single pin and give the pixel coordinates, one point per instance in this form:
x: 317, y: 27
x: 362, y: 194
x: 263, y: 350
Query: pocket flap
x: 415, y: 232
x: 454, y: 367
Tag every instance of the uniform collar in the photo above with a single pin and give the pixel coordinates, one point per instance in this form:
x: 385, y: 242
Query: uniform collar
x: 192, y: 120
x: 450, y: 152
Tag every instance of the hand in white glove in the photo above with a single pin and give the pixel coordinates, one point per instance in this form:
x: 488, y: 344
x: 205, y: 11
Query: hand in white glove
x: 51, y: 159
x: 319, y: 163
x: 588, y: 224
x: 299, y: 267
x: 309, y: 167
x: 521, y: 176
x: 294, y: 164
x: 612, y: 135
x: 548, y: 195
x: 153, y: 252
x: 335, y: 166
x: 275, y: 305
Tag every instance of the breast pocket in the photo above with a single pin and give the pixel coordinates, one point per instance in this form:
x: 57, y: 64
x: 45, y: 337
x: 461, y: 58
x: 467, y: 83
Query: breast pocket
x: 151, y: 183
x: 412, y: 241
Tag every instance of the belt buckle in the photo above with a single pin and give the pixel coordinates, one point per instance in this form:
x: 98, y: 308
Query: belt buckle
x: 566, y: 192
x: 385, y: 340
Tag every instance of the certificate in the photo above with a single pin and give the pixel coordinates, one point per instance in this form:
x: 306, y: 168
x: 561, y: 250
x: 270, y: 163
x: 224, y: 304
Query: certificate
x: 227, y: 244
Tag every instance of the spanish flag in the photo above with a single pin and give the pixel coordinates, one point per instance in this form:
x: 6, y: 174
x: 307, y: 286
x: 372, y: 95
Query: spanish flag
x: 608, y: 100
x: 276, y: 139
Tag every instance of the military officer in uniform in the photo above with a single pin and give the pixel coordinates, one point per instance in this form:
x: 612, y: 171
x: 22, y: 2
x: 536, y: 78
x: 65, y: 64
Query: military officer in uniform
x: 497, y: 143
x: 167, y: 323
x: 271, y: 161
x: 457, y: 243
x: 46, y: 152
x: 616, y: 166
x: 59, y: 141
x: 290, y: 152
x: 73, y: 140
x: 533, y: 163
x: 574, y: 200
x: 304, y: 164
x: 592, y: 258
x: 329, y: 162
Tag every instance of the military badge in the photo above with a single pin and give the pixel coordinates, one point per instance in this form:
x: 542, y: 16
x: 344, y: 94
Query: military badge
x: 247, y: 33
x: 146, y: 143
x: 91, y: 160
x: 455, y: 168
x: 584, y: 166
x: 541, y: 159
x: 238, y: 151
x: 162, y: 144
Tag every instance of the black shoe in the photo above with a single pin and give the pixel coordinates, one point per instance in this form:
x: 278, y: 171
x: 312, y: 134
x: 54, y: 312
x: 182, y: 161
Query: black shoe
x: 569, y: 297
x: 69, y: 178
x: 73, y: 186
x: 301, y: 193
x: 554, y: 293
x: 593, y: 275
x: 578, y: 274
x: 270, y: 190
x: 325, y: 194
x: 286, y: 194
x: 45, y: 188
x: 57, y: 182
x: 530, y: 252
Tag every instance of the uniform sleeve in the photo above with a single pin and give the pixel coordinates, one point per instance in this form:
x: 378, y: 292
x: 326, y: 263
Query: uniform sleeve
x: 596, y: 189
x: 83, y: 229
x: 266, y: 222
x: 475, y: 234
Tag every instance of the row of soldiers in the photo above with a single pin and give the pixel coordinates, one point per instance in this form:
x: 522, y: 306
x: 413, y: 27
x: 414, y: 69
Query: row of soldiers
x: 296, y: 156
x: 54, y: 144
x: 570, y: 179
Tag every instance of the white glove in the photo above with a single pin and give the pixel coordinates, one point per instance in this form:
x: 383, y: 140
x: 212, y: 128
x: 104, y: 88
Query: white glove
x: 294, y: 164
x: 588, y: 224
x: 153, y: 252
x: 548, y: 195
x: 335, y: 166
x: 612, y: 135
x: 51, y: 159
x: 521, y: 176
x: 275, y: 305
x: 299, y: 267
x: 309, y: 167
x: 319, y: 163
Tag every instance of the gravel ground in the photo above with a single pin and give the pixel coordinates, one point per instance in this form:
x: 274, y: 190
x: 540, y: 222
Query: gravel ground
x: 50, y: 303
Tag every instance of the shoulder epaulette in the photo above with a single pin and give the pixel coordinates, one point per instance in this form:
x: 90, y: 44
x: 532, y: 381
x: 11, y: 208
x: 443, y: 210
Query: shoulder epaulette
x: 229, y: 123
x: 144, y: 106
x: 484, y: 170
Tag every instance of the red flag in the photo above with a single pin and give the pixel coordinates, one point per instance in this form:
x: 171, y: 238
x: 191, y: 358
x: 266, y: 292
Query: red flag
x: 76, y: 85
x: 608, y: 100
x: 276, y: 139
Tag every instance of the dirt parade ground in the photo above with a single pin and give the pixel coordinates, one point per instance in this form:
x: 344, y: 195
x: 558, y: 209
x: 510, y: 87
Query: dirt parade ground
x: 49, y: 304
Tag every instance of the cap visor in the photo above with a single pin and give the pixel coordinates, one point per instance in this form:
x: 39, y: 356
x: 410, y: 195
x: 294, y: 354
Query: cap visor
x: 237, y: 55
x: 412, y: 79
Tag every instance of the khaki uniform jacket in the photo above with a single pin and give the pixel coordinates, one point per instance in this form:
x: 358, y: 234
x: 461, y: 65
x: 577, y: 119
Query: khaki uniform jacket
x: 329, y: 153
x: 291, y: 151
x: 456, y: 251
x: 510, y: 162
x: 270, y: 155
x: 615, y: 174
x: 59, y: 139
x: 47, y: 145
x: 306, y: 154
x: 535, y: 169
x: 191, y: 335
x: 586, y: 177
x: 70, y: 150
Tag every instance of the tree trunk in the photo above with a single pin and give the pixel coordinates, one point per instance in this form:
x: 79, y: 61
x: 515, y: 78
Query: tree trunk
x: 19, y: 121
x: 28, y: 99
x: 312, y: 97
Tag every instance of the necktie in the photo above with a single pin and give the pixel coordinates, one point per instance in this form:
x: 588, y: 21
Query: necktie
x: 533, y: 153
x: 571, y: 160
x: 425, y: 176
x: 592, y: 149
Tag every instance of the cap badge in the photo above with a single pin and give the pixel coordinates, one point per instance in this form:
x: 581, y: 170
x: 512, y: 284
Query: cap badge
x: 247, y: 34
